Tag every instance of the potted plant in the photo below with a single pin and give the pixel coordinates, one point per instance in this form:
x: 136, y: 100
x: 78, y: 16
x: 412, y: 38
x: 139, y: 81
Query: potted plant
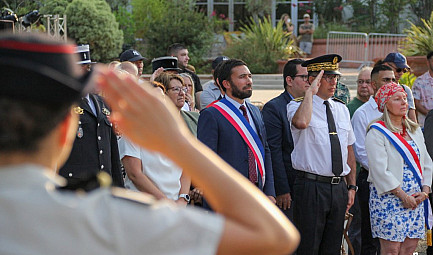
x: 418, y: 44
x: 261, y: 45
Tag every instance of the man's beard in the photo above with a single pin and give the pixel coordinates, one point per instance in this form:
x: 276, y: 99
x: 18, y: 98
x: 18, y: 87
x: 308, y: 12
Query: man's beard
x: 240, y: 93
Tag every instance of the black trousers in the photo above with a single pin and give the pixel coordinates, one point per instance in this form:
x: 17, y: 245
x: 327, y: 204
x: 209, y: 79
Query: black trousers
x: 355, y: 227
x: 369, y: 245
x: 318, y: 211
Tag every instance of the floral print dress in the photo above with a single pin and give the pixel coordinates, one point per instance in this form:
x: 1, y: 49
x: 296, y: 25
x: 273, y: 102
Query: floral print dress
x: 389, y: 219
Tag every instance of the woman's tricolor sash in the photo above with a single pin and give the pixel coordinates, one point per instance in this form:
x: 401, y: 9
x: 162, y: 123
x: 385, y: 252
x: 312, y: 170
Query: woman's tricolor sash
x: 234, y: 116
x: 411, y: 159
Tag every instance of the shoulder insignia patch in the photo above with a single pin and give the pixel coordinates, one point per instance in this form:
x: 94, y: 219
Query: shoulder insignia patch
x: 338, y: 100
x: 78, y: 110
x: 106, y: 111
x: 298, y: 99
x: 137, y: 197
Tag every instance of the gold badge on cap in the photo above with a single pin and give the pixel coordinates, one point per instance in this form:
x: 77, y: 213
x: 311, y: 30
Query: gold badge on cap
x: 335, y: 60
x: 106, y: 111
x: 78, y: 110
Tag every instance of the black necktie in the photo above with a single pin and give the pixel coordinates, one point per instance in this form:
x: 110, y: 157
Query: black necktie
x: 252, y: 171
x: 337, y: 162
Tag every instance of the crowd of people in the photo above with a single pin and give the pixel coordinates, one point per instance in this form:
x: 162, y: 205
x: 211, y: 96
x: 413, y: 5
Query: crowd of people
x: 216, y: 167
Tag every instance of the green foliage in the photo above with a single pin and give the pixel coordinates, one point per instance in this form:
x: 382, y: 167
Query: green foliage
x: 258, y: 8
x: 20, y: 7
x: 262, y: 45
x: 392, y: 9
x: 328, y: 10
x: 419, y: 38
x: 126, y: 24
x: 422, y: 9
x: 408, y: 79
x: 145, y: 11
x: 116, y: 4
x: 54, y: 7
x: 321, y: 32
x: 179, y: 24
x: 91, y: 22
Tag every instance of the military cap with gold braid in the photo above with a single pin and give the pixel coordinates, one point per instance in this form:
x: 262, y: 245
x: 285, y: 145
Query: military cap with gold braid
x: 328, y: 63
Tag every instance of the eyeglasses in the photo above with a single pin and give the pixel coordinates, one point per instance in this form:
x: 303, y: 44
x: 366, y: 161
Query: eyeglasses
x: 178, y: 89
x: 360, y: 81
x: 304, y: 77
x: 387, y: 80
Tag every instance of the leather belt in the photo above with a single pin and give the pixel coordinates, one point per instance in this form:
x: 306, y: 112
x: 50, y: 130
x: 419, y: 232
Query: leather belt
x: 334, y: 180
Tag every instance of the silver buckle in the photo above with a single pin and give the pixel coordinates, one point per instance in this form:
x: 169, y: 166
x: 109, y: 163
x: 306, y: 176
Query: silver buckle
x: 335, y: 180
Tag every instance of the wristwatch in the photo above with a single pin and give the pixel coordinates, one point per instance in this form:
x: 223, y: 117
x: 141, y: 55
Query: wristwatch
x: 355, y: 188
x: 185, y: 196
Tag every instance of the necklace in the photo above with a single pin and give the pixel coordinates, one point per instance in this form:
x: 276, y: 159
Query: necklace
x: 402, y: 131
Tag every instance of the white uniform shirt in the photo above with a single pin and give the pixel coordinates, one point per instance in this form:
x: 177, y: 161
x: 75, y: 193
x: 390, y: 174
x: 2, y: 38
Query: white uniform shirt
x: 312, y: 146
x: 362, y: 117
x: 160, y: 170
x: 36, y: 218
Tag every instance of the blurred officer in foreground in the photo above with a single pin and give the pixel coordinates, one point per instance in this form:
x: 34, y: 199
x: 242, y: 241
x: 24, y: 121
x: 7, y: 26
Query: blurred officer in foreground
x: 38, y: 126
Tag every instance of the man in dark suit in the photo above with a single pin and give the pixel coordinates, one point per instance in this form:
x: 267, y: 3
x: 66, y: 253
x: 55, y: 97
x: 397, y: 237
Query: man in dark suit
x: 234, y: 129
x: 278, y: 131
x: 95, y: 147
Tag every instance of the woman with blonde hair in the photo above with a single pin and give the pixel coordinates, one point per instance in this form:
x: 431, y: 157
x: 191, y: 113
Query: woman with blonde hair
x: 189, y: 95
x: 400, y: 175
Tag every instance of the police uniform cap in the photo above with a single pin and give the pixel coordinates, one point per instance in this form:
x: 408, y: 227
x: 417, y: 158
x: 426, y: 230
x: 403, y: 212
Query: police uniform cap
x: 168, y: 63
x: 83, y: 52
x: 328, y: 63
x: 36, y: 68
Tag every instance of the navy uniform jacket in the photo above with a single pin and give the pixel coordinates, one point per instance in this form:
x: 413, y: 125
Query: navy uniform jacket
x: 95, y: 148
x: 217, y: 133
x: 280, y: 142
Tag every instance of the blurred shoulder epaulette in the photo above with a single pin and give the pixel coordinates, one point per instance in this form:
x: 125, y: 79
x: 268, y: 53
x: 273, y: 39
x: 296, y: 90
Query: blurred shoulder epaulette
x: 100, y: 180
x: 132, y: 196
x: 338, y: 100
x: 298, y: 99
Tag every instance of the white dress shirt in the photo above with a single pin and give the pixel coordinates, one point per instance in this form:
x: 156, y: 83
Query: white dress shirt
x: 312, y: 145
x: 237, y: 105
x: 160, y: 170
x: 362, y: 117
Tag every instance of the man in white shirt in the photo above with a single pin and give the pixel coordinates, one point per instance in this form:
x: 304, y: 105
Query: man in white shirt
x: 362, y: 117
x: 323, y: 156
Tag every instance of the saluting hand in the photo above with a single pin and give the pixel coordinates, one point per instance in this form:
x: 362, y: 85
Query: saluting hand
x: 315, y: 85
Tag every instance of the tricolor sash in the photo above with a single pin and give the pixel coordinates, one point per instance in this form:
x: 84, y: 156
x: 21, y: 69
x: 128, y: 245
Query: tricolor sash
x: 411, y: 159
x: 234, y: 116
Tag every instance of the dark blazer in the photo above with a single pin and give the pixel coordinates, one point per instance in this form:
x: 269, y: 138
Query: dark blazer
x: 95, y: 147
x: 280, y: 142
x: 428, y: 132
x: 217, y: 133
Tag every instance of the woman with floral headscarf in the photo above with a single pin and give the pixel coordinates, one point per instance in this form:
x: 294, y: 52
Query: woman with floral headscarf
x: 400, y: 174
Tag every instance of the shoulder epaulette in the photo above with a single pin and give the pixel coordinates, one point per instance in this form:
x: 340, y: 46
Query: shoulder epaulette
x: 298, y: 99
x: 132, y: 196
x: 338, y: 100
